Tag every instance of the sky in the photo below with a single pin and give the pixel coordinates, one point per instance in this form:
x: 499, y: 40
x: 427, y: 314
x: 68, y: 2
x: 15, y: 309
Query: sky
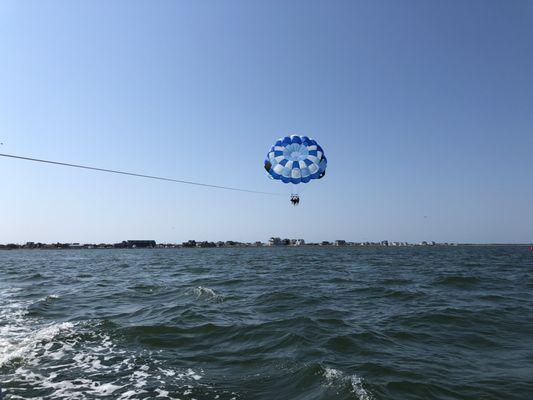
x: 424, y: 110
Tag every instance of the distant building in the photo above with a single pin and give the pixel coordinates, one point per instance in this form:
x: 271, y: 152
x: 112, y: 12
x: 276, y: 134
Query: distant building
x: 384, y: 242
x: 340, y: 242
x: 325, y: 243
x: 137, y: 244
x: 189, y: 243
x: 274, y: 241
x: 206, y: 244
x: 299, y: 242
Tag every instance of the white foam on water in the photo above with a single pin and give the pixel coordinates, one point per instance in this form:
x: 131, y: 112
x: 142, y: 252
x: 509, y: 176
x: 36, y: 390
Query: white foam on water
x: 63, y: 360
x: 359, y: 390
x: 161, y: 393
x: 190, y: 374
x: 19, y: 340
x: 167, y: 372
x: 139, y: 379
x: 104, y: 389
x: 207, y: 293
x: 332, y: 374
x: 334, y: 377
x: 49, y: 298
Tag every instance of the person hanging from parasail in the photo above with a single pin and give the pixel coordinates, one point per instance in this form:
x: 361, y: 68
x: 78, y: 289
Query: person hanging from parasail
x: 296, y: 159
x: 295, y: 199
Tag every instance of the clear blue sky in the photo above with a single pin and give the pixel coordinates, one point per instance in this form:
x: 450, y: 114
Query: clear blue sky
x: 424, y: 108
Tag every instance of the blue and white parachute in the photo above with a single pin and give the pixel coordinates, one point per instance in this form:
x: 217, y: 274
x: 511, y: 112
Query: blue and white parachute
x: 296, y: 159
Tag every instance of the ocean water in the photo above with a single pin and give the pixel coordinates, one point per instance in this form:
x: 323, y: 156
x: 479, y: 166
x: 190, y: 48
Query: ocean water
x: 267, y: 323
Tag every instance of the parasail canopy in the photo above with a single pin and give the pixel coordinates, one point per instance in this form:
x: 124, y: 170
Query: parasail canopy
x: 296, y: 159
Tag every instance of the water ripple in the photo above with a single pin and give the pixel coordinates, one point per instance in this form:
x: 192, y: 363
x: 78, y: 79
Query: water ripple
x: 267, y: 323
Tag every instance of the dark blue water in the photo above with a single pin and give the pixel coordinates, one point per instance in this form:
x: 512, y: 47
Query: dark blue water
x: 267, y: 323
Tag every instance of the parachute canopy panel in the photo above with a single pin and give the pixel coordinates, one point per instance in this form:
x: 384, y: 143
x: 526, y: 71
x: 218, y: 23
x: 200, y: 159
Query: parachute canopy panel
x: 296, y: 159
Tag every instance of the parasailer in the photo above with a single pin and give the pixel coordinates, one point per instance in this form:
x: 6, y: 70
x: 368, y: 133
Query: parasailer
x: 296, y: 159
x: 295, y: 199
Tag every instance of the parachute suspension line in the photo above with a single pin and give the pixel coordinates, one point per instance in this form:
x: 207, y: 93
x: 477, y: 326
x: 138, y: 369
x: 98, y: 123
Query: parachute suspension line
x: 112, y: 171
x: 299, y: 189
x: 294, y: 190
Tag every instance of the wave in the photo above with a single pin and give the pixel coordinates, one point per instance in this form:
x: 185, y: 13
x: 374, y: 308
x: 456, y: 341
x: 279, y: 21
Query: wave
x: 404, y: 294
x: 145, y: 288
x: 27, y: 346
x: 396, y: 281
x: 207, y: 294
x: 39, y: 307
x: 334, y: 377
x: 458, y: 281
x: 81, y: 360
x: 46, y: 300
x: 33, y: 277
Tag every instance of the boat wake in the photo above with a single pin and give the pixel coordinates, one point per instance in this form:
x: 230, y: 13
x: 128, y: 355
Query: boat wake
x: 84, y: 360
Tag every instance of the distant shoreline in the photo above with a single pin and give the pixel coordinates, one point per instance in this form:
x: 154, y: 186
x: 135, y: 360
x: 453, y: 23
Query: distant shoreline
x: 10, y: 246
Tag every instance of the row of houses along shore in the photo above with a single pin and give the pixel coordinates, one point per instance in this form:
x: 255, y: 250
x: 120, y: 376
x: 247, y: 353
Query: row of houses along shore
x: 273, y: 241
